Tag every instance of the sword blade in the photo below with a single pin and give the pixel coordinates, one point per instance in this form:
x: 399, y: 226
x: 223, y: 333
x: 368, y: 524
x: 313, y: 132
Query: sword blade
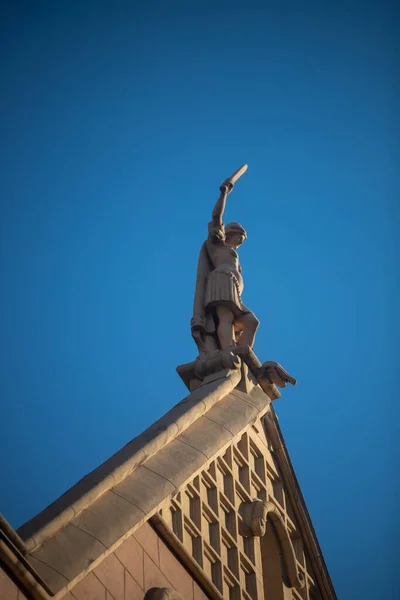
x: 237, y: 174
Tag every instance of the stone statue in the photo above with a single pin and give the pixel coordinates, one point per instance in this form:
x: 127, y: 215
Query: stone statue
x: 222, y: 326
x: 220, y: 319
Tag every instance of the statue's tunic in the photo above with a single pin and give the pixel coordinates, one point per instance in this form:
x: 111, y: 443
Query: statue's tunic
x: 225, y: 282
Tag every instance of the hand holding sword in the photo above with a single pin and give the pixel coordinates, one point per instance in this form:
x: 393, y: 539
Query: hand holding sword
x: 229, y: 183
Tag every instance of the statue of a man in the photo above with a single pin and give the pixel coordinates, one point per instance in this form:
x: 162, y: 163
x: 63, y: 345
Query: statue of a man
x: 220, y: 319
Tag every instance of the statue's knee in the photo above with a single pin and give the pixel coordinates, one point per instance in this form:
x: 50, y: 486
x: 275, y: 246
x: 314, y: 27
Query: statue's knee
x: 254, y: 322
x: 250, y: 321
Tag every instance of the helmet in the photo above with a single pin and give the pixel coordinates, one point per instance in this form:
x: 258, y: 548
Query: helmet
x: 235, y: 228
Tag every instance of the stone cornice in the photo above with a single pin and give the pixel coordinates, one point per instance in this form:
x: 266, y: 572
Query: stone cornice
x: 274, y: 434
x: 120, y: 465
x: 12, y: 558
x: 75, y: 548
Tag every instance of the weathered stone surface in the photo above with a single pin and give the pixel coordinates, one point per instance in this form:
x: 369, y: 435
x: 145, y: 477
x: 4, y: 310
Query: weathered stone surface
x: 69, y: 552
x: 198, y: 593
x: 180, y: 579
x: 132, y: 590
x: 144, y: 487
x: 55, y: 581
x: 148, y: 539
x: 248, y: 380
x: 176, y: 462
x: 256, y: 398
x: 206, y: 436
x: 90, y: 588
x: 61, y: 505
x: 153, y: 577
x: 97, y: 522
x: 232, y: 413
x: 8, y: 590
x: 111, y: 573
x: 130, y: 553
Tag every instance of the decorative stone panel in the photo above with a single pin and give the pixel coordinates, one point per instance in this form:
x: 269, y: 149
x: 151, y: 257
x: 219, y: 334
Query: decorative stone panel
x: 206, y: 517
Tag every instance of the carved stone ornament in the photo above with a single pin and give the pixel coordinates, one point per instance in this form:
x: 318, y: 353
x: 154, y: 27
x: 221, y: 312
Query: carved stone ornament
x: 256, y: 515
x: 222, y: 326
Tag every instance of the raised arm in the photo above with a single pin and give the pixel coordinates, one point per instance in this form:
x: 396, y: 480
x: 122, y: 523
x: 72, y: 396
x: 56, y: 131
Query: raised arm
x: 219, y: 208
x: 226, y: 189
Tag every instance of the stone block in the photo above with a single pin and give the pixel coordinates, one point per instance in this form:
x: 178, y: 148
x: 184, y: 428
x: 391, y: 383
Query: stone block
x: 130, y: 553
x: 178, y: 576
x: 256, y: 398
x: 148, y: 540
x: 153, y: 576
x: 90, y: 588
x: 69, y: 552
x: 97, y: 522
x: 233, y: 413
x: 144, y: 488
x: 132, y: 590
x: 176, y: 462
x: 206, y: 436
x: 111, y: 573
x: 55, y: 581
x: 198, y: 593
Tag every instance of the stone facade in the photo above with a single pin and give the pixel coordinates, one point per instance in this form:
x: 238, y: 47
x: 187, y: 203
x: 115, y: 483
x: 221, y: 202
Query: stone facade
x: 8, y: 589
x: 141, y: 562
x: 204, y: 504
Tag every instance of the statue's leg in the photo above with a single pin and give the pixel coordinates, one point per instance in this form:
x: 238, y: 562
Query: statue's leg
x: 210, y: 344
x: 249, y: 325
x: 225, y: 326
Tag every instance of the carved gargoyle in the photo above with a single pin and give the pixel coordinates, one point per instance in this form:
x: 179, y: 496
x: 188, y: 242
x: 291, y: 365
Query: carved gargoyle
x: 268, y: 375
x: 276, y: 374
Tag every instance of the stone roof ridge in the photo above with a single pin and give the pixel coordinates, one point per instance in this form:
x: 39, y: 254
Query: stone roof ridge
x: 115, y: 469
x: 74, y: 534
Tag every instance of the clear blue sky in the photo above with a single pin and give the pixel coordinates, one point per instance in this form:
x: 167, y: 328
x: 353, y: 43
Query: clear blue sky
x: 118, y: 123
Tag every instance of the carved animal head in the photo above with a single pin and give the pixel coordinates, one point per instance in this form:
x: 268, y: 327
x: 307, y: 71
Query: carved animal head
x: 276, y: 374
